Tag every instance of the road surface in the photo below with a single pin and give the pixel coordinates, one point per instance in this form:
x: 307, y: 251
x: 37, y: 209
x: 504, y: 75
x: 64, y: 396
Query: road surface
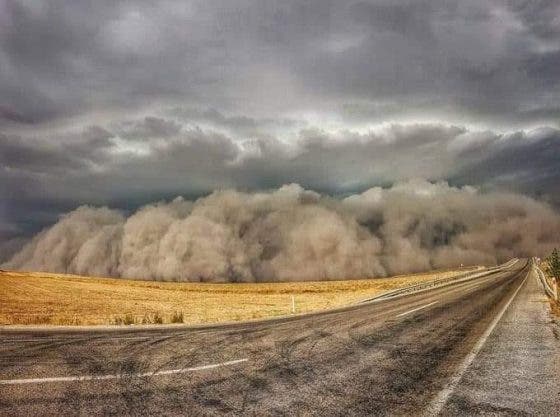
x: 453, y: 350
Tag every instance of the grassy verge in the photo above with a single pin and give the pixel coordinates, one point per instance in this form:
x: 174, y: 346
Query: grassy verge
x: 554, y: 305
x: 34, y: 298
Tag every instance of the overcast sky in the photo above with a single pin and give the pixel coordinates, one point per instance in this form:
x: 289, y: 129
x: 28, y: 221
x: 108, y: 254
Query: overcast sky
x: 122, y: 103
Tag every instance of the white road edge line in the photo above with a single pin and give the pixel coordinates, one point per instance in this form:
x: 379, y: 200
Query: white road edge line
x: 441, y: 399
x: 416, y: 309
x: 118, y: 376
x: 389, y: 295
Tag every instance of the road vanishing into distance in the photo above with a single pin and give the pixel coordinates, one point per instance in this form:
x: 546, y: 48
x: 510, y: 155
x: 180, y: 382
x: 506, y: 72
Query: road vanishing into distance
x: 483, y: 346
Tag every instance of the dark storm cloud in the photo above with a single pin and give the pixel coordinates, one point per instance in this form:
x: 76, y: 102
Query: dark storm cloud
x: 523, y: 162
x: 237, y: 124
x: 427, y: 58
x: 149, y: 127
x: 18, y: 154
x: 540, y: 17
x: 125, y: 102
x: 95, y: 166
x: 61, y: 155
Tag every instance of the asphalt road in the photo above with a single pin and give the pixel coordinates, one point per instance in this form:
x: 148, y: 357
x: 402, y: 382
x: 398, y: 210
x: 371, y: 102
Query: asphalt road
x: 411, y: 355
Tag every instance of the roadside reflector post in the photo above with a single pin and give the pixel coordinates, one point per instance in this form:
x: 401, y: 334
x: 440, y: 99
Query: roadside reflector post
x: 293, y: 304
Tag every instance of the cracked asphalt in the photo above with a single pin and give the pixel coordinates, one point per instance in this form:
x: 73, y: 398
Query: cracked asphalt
x: 390, y: 357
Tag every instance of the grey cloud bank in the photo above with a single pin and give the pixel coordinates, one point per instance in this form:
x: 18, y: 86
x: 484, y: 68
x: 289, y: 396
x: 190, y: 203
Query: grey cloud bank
x: 469, y: 62
x: 119, y: 166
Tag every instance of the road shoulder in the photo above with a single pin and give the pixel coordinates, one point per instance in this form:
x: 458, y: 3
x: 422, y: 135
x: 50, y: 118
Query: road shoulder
x: 518, y: 370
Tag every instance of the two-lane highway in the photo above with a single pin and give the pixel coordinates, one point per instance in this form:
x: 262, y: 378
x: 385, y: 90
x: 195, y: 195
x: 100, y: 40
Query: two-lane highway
x: 391, y: 357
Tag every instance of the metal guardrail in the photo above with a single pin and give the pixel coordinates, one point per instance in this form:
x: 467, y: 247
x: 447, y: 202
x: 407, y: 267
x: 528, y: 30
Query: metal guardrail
x: 441, y: 282
x: 549, y: 290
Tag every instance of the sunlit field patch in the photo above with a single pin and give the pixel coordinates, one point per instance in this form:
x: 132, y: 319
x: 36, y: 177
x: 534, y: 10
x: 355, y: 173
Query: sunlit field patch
x: 36, y: 298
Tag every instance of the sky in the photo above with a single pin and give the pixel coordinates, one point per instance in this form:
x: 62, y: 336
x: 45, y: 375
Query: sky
x: 120, y: 103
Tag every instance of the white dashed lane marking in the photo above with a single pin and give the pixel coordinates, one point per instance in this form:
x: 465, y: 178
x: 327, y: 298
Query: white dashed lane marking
x: 417, y: 309
x: 118, y: 376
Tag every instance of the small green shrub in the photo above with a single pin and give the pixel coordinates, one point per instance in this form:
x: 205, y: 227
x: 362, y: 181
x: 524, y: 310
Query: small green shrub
x: 157, y: 318
x: 126, y: 320
x: 554, y: 264
x: 178, y: 317
x: 129, y: 319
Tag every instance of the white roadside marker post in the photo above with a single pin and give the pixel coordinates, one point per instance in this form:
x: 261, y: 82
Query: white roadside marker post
x: 293, y: 305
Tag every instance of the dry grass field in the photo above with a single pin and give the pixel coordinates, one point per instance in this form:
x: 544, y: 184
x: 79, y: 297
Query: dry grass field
x: 59, y: 299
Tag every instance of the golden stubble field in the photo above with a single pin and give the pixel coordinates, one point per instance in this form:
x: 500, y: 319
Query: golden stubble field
x: 58, y: 299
